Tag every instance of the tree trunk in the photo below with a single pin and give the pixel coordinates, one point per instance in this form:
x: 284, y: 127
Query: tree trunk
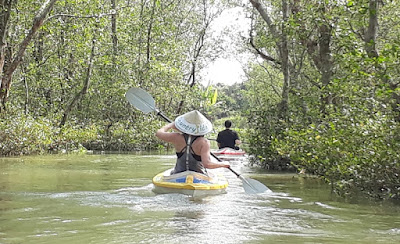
x: 319, y: 50
x: 114, y: 39
x: 149, y: 30
x: 370, y: 35
x: 370, y: 48
x: 79, y: 96
x: 26, y: 106
x: 145, y: 40
x: 284, y: 53
x: 197, y: 51
x: 114, y: 30
x: 6, y: 74
x: 282, y: 47
x: 325, y: 64
x: 5, y: 10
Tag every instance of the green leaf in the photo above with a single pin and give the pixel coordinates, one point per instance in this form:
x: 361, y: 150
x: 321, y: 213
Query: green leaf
x: 214, y: 97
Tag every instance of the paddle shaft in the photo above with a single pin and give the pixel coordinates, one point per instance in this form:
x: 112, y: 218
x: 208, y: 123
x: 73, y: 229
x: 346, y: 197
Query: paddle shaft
x: 159, y: 113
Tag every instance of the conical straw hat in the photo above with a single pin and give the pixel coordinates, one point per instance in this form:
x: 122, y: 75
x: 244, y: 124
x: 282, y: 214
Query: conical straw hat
x: 193, y: 123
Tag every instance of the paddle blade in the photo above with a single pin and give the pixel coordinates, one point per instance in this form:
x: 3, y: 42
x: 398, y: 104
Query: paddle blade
x: 141, y: 100
x: 253, y: 186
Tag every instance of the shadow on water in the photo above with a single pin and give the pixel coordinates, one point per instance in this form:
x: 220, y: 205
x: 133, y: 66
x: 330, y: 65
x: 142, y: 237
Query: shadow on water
x: 108, y: 199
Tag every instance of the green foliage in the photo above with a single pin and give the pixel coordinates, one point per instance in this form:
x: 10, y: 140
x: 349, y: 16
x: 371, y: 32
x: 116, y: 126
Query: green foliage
x: 153, y: 48
x: 20, y: 135
x: 230, y: 101
x: 351, y: 155
x: 265, y: 128
x: 211, y: 96
x: 344, y: 129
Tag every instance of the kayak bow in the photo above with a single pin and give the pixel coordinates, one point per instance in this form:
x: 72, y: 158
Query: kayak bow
x: 189, y: 183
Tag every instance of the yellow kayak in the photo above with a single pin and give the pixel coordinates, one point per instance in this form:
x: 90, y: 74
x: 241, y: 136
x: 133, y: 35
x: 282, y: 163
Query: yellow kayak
x: 189, y: 183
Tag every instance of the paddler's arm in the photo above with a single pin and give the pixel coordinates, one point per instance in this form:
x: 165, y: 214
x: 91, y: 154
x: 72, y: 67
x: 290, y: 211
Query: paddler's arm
x: 238, y: 142
x: 164, y: 135
x: 237, y: 139
x: 206, y: 158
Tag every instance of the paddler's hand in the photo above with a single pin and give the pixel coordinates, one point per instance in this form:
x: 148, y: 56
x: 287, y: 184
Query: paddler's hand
x: 226, y: 164
x: 164, y: 134
x: 174, y: 127
x: 170, y: 126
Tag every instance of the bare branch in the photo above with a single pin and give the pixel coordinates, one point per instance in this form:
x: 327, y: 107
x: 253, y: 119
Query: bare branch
x: 95, y: 16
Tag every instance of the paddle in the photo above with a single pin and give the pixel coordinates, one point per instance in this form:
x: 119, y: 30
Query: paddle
x: 143, y: 101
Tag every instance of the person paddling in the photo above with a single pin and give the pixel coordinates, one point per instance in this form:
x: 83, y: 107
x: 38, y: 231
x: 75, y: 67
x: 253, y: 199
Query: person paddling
x: 192, y: 149
x: 228, y: 137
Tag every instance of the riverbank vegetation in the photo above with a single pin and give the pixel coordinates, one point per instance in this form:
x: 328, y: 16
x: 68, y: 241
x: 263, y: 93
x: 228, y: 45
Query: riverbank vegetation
x: 321, y: 95
x: 329, y: 92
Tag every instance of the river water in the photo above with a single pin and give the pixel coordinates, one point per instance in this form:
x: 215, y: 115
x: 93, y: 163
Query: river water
x: 108, y: 199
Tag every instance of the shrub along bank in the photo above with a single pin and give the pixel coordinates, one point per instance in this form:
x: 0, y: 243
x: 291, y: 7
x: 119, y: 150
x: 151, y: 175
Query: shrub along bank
x: 354, y: 156
x: 23, y: 135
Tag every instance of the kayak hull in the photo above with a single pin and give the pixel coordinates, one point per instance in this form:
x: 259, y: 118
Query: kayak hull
x: 229, y: 151
x: 189, y: 183
x: 229, y: 154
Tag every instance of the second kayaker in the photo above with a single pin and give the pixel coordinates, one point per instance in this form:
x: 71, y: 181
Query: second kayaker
x: 228, y: 137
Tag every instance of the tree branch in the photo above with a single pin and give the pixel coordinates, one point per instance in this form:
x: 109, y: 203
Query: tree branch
x: 5, y: 83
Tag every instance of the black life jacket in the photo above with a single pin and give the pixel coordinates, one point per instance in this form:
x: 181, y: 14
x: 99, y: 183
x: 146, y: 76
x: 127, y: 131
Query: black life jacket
x: 187, y: 159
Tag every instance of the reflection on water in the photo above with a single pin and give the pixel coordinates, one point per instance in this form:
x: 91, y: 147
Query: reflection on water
x: 108, y: 199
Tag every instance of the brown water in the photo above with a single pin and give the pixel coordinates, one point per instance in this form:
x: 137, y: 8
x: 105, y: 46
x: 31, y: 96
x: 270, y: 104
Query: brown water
x: 108, y: 199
